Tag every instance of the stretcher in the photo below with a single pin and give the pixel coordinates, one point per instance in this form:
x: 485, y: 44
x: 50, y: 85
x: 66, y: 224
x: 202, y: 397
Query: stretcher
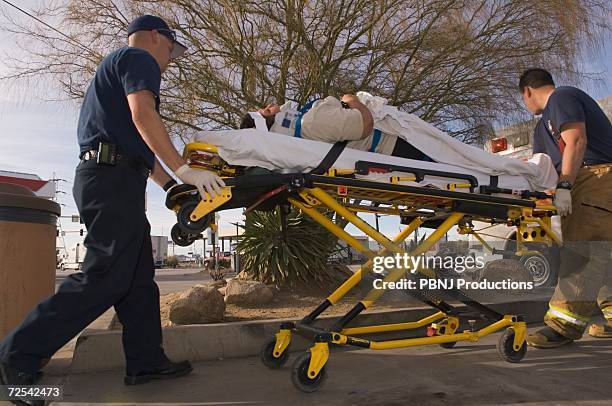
x: 348, y: 192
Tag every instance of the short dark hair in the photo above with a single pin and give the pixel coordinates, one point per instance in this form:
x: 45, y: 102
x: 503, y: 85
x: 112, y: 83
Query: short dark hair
x: 535, y: 77
x: 248, y: 122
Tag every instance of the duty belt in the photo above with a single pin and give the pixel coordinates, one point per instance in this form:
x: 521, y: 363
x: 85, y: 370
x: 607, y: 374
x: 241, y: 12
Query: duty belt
x: 112, y: 158
x: 598, y: 166
x: 598, y: 169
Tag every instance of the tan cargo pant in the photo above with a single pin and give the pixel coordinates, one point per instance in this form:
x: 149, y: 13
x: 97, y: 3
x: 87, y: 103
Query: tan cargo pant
x: 585, y: 276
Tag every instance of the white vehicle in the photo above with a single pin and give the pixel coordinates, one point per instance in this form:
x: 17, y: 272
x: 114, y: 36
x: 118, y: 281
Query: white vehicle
x: 543, y: 266
x: 74, y: 258
x: 160, y: 250
x: 516, y: 142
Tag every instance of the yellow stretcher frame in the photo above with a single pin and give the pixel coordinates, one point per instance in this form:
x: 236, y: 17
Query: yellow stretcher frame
x: 325, y: 193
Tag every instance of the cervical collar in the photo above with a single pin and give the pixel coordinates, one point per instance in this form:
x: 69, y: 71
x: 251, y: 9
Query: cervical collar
x: 284, y: 121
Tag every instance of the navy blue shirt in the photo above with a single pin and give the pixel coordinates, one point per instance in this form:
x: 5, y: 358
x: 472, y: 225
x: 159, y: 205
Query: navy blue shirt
x: 105, y: 114
x: 568, y: 104
x: 543, y: 142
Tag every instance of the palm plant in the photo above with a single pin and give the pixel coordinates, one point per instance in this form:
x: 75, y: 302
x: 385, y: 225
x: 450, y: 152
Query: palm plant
x: 290, y: 256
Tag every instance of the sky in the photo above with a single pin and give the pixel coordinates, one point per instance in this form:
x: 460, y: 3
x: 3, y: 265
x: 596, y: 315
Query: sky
x: 38, y: 136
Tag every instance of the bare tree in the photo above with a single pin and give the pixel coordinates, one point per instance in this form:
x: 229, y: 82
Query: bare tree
x: 454, y: 63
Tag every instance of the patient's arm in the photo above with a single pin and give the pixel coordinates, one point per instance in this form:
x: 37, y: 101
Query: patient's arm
x: 368, y: 121
x: 328, y: 121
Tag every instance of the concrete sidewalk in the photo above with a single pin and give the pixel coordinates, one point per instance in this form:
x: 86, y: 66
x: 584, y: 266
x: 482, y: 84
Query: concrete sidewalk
x: 469, y: 374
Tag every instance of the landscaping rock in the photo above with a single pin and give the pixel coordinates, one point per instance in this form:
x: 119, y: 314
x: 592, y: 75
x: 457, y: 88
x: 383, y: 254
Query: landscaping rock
x: 200, y: 304
x: 247, y: 293
x: 217, y: 284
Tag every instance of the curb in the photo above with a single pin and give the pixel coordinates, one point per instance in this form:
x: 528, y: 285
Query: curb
x: 102, y: 350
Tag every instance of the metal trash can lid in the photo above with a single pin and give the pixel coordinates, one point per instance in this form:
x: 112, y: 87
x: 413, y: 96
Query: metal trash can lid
x: 21, y: 197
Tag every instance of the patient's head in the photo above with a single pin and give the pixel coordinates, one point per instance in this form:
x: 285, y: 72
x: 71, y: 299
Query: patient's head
x: 535, y: 86
x: 267, y: 112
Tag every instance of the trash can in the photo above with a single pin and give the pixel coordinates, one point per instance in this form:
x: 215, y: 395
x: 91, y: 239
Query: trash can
x: 27, y: 253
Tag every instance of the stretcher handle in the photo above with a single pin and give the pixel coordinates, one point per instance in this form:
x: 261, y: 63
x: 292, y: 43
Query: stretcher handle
x: 365, y: 167
x: 538, y: 195
x: 525, y: 194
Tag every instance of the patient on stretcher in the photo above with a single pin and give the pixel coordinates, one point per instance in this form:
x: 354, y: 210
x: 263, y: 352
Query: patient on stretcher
x: 332, y: 120
x: 386, y: 130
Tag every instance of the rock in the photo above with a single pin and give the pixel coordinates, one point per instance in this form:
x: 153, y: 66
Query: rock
x: 217, y: 284
x: 245, y: 292
x: 200, y: 304
x: 244, y: 276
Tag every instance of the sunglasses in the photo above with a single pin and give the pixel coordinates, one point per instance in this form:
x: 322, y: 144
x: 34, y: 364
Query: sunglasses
x: 168, y: 33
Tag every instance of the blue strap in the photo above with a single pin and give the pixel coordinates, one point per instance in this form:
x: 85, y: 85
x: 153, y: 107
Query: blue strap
x: 298, y: 127
x: 298, y: 123
x: 375, y: 140
x: 308, y: 106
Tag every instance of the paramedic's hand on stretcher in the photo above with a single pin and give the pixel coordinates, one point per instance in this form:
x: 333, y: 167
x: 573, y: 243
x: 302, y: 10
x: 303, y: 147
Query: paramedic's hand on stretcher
x: 563, y: 201
x: 205, y: 181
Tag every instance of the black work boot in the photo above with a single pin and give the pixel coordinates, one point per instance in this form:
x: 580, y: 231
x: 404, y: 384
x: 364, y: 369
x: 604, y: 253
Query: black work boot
x: 10, y: 376
x: 169, y: 370
x: 547, y: 337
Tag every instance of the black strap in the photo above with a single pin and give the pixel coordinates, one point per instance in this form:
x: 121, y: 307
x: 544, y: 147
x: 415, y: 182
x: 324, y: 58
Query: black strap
x: 493, y: 181
x: 330, y: 158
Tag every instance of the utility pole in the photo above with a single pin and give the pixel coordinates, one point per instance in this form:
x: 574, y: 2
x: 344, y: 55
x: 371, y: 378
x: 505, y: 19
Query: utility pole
x: 56, y: 189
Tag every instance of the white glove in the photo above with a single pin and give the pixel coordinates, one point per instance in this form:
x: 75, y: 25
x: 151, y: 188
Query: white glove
x: 204, y: 180
x: 563, y: 201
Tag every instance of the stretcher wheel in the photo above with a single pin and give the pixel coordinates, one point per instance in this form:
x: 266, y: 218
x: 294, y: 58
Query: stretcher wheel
x: 300, y: 378
x: 448, y: 345
x: 267, y: 354
x: 505, y: 347
x: 186, y: 224
x: 180, y: 237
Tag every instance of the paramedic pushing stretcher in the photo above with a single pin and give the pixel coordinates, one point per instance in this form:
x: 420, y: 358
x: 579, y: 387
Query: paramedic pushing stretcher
x: 577, y: 135
x: 331, y: 120
x: 120, y: 133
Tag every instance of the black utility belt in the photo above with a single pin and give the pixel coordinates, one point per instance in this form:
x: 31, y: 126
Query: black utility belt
x: 107, y: 154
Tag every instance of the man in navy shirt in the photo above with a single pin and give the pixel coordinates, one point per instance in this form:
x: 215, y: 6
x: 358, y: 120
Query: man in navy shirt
x: 577, y: 135
x: 120, y: 133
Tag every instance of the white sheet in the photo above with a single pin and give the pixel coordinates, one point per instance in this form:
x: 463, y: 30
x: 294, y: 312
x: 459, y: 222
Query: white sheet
x: 445, y: 149
x: 275, y: 152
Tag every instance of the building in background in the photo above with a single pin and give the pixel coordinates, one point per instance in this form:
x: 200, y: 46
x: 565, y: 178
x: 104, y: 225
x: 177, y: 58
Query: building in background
x: 41, y: 188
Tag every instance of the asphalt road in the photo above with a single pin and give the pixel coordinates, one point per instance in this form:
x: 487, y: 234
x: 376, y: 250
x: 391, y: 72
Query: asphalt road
x: 168, y: 280
x: 469, y: 374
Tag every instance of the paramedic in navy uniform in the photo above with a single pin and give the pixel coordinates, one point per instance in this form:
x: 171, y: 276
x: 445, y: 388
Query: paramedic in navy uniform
x: 120, y: 133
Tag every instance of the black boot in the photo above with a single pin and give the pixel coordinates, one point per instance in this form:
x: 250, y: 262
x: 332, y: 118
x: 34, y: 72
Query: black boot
x: 10, y: 376
x: 167, y: 371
